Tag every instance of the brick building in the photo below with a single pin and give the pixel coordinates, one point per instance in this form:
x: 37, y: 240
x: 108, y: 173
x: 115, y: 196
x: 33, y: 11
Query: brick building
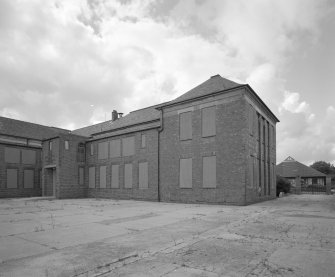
x: 213, y: 144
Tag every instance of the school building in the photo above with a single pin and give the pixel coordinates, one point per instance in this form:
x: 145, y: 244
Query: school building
x: 214, y: 144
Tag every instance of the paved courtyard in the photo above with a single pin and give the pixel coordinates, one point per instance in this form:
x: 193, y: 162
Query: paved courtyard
x: 290, y: 236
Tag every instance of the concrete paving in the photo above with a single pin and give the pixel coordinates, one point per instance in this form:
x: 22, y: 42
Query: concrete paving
x: 290, y: 236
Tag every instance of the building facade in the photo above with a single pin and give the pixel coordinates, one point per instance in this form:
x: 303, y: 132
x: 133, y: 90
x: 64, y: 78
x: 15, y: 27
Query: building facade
x: 213, y: 144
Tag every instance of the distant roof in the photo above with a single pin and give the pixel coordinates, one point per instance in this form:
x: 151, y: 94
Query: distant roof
x: 133, y: 118
x: 214, y: 84
x: 13, y: 127
x: 292, y: 168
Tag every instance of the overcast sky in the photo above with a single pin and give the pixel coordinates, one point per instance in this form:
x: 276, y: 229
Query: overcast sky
x: 70, y: 63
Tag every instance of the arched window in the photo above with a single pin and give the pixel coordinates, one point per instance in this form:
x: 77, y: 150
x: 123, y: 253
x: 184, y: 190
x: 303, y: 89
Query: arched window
x: 81, y: 152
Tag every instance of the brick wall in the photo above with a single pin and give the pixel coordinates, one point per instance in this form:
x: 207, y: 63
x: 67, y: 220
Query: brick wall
x: 147, y: 154
x: 260, y: 152
x: 228, y: 146
x: 20, y: 191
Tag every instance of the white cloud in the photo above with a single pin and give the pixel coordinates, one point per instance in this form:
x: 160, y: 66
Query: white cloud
x: 70, y: 63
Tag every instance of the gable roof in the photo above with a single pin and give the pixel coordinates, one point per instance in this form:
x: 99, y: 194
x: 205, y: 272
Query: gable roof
x: 18, y: 128
x: 292, y: 168
x: 133, y: 118
x: 214, y: 84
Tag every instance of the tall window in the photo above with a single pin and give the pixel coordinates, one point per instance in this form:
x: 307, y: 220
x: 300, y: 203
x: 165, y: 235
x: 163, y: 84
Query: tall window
x: 28, y: 178
x: 50, y: 145
x: 11, y: 178
x: 92, y: 149
x: 103, y: 176
x: 185, y: 125
x: 103, y: 150
x: 91, y: 177
x: 128, y: 146
x: 143, y: 175
x: 115, y: 148
x: 66, y: 145
x: 208, y: 121
x: 209, y: 172
x: 128, y: 176
x: 115, y: 176
x: 81, y: 152
x: 143, y: 141
x: 185, y: 173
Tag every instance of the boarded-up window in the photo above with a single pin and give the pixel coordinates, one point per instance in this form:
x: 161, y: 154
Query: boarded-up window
x: 251, y: 120
x: 115, y: 148
x: 250, y: 172
x: 91, y: 149
x: 103, y: 176
x: 12, y: 155
x: 28, y: 156
x: 81, y: 175
x: 185, y: 126
x: 115, y: 176
x: 209, y: 172
x: 143, y: 175
x: 128, y: 146
x: 28, y: 179
x: 185, y: 173
x: 103, y: 150
x: 66, y: 145
x: 208, y: 121
x: 91, y: 177
x: 128, y: 175
x: 11, y: 178
x: 143, y: 141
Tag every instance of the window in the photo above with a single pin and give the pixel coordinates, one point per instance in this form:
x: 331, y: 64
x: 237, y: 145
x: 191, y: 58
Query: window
x: 208, y: 121
x: 81, y: 152
x: 12, y: 155
x: 115, y: 148
x: 143, y: 141
x: 185, y: 173
x: 209, y: 172
x: 81, y: 176
x: 28, y: 156
x: 143, y: 175
x: 128, y: 175
x: 91, y: 177
x: 251, y: 120
x: 50, y: 145
x: 250, y: 172
x: 185, y: 125
x: 103, y: 150
x: 66, y: 145
x: 28, y: 179
x: 11, y: 178
x: 91, y: 149
x: 115, y: 176
x: 103, y: 176
x: 128, y: 146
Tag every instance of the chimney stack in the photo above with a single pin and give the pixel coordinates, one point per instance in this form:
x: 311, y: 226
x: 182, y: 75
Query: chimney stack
x: 114, y: 115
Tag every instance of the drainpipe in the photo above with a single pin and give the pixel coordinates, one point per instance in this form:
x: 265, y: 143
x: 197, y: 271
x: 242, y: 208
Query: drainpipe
x: 160, y: 129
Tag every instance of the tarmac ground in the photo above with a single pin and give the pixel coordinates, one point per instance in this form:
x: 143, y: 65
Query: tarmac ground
x: 289, y: 236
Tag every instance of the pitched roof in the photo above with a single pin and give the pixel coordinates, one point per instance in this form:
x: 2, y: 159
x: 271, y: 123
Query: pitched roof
x: 214, y: 84
x: 13, y: 127
x: 133, y: 118
x: 292, y: 168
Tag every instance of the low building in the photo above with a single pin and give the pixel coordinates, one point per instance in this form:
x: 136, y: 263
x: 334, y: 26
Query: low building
x: 311, y: 180
x: 213, y: 144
